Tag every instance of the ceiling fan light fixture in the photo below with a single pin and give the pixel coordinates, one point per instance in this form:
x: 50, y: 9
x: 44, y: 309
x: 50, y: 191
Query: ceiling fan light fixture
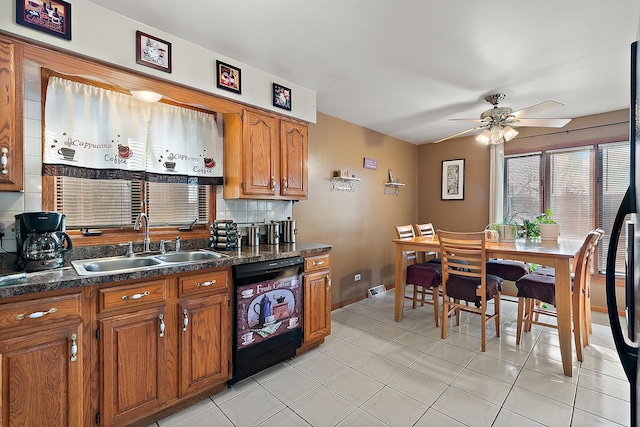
x: 509, y: 133
x: 146, y: 96
x: 484, y: 137
x: 496, y: 136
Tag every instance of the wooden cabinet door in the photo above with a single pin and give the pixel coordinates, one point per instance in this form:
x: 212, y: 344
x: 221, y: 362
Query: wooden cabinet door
x: 293, y: 159
x: 317, y: 305
x: 42, y: 384
x: 260, y: 154
x: 204, y: 342
x: 11, y: 116
x: 132, y: 365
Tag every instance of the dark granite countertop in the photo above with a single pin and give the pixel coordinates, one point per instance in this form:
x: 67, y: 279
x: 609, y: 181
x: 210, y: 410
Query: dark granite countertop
x: 66, y: 277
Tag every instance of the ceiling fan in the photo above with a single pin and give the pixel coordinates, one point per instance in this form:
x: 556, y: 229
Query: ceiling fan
x: 498, y: 122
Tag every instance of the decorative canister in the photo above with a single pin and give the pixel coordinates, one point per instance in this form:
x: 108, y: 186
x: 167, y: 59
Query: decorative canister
x: 273, y: 233
x: 289, y: 231
x: 253, y: 235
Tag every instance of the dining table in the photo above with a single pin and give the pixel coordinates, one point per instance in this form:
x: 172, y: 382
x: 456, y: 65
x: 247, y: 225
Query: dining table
x: 550, y: 253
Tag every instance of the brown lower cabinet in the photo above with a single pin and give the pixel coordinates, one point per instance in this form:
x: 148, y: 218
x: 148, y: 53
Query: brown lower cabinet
x: 128, y: 353
x: 317, y: 298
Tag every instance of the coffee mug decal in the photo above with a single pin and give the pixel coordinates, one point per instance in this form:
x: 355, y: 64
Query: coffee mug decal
x: 209, y: 162
x: 67, y: 153
x: 124, y: 152
x: 169, y: 166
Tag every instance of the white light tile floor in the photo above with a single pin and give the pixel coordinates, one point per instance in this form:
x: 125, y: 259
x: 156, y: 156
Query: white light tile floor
x: 373, y: 371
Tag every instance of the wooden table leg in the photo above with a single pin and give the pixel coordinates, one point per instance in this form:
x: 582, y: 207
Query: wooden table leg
x: 401, y: 268
x: 563, y: 310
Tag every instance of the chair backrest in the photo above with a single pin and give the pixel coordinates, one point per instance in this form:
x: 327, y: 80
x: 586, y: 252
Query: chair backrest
x: 425, y: 229
x: 463, y: 254
x: 584, y: 259
x: 406, y: 232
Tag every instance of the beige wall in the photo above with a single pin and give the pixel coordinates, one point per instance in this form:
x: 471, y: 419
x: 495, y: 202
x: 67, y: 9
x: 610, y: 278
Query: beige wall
x: 359, y: 225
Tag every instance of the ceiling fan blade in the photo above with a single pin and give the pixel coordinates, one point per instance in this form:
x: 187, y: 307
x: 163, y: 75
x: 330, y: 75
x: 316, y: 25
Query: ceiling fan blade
x: 538, y: 108
x: 543, y: 123
x: 468, y: 120
x: 458, y: 134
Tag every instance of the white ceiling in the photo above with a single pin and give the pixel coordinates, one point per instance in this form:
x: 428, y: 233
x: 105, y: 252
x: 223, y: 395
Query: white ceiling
x: 404, y: 67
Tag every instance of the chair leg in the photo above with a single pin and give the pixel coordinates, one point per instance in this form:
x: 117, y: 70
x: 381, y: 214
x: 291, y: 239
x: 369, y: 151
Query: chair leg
x: 415, y: 296
x: 521, y: 303
x: 457, y: 313
x: 445, y: 316
x: 436, y: 303
x: 577, y: 314
x: 587, y: 319
x: 529, y: 315
x: 483, y: 317
x: 496, y: 305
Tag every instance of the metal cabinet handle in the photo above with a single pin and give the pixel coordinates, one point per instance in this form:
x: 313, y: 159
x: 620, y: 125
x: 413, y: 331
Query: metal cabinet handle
x: 74, y: 347
x: 185, y: 321
x: 284, y: 184
x: 36, y: 314
x: 204, y: 284
x: 318, y: 262
x: 161, y: 318
x: 273, y: 184
x: 4, y: 161
x: 328, y: 280
x: 135, y: 296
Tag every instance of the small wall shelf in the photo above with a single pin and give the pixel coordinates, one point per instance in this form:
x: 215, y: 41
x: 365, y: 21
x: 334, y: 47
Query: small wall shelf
x: 344, y: 184
x: 393, y: 188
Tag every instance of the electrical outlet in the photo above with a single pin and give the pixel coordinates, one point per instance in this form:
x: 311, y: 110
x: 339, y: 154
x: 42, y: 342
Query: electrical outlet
x: 357, y: 277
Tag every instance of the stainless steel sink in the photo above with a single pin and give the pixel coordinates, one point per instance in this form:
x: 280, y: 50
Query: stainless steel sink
x: 187, y: 256
x: 128, y: 264
x: 114, y: 264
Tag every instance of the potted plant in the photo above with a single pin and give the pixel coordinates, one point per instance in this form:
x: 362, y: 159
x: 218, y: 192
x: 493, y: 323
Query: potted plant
x: 531, y: 230
x: 507, y: 229
x: 549, y: 228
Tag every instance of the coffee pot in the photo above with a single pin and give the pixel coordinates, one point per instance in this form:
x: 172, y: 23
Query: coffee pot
x: 41, y: 240
x: 264, y: 310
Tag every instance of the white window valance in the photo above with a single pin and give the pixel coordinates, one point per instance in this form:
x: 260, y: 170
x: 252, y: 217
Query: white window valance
x: 98, y: 133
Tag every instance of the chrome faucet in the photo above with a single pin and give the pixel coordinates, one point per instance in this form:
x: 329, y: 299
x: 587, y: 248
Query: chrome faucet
x: 136, y: 227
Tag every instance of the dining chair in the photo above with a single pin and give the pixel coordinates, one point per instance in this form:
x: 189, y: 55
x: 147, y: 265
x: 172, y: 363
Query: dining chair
x: 534, y: 288
x: 427, y: 230
x: 424, y: 278
x: 465, y: 278
x: 587, y: 291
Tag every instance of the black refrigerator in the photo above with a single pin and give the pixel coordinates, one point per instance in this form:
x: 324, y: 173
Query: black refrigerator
x: 628, y: 219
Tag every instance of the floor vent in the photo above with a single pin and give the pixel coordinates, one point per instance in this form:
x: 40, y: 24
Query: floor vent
x: 377, y: 291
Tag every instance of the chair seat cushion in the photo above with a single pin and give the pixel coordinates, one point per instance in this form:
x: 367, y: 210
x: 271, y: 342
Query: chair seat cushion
x: 464, y: 288
x: 546, y: 271
x: 508, y: 270
x: 424, y: 274
x: 538, y: 286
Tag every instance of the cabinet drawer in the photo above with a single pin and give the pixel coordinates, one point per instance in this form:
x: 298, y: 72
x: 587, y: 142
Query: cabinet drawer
x: 41, y: 311
x: 317, y: 262
x: 200, y: 283
x: 154, y: 291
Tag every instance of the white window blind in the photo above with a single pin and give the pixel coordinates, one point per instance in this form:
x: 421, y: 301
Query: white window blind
x: 613, y: 174
x: 522, y: 185
x: 98, y: 203
x: 570, y: 192
x: 176, y: 203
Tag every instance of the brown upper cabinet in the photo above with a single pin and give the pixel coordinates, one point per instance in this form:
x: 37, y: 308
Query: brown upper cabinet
x: 265, y: 157
x: 11, y: 116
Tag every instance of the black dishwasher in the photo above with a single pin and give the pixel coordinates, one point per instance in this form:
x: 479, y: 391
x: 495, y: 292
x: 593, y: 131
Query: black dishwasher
x: 267, y: 313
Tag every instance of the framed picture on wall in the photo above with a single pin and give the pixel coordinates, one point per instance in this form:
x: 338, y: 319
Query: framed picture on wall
x: 452, y: 179
x: 228, y: 77
x: 153, y: 52
x: 281, y: 97
x: 51, y: 17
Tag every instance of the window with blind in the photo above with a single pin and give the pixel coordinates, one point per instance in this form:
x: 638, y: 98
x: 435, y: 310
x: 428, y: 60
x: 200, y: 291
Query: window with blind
x: 613, y: 175
x: 565, y: 181
x: 101, y: 203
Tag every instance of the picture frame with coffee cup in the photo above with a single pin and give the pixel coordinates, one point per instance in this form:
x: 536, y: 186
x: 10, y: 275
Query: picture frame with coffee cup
x: 52, y: 17
x: 153, y: 52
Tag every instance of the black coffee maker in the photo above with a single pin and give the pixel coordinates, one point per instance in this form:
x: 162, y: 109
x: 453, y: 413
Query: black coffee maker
x: 41, y: 241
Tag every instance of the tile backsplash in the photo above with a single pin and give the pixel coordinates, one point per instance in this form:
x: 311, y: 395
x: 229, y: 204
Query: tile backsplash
x: 244, y: 212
